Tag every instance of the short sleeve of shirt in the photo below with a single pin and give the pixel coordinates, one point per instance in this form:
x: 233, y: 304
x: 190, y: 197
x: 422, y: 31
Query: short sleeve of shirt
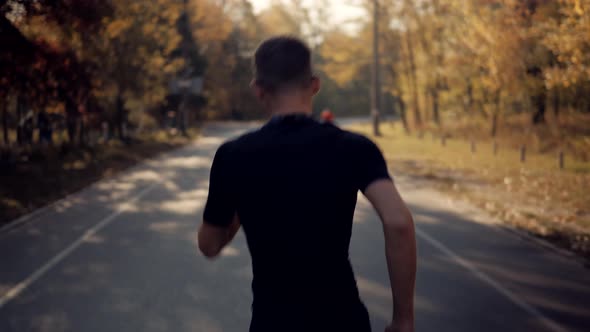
x: 371, y: 166
x: 220, y: 207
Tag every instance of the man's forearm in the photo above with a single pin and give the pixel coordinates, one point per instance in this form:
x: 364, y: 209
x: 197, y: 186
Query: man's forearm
x: 400, y: 251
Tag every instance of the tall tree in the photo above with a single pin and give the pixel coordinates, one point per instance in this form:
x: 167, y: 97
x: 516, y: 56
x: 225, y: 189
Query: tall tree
x: 133, y: 53
x: 568, y: 38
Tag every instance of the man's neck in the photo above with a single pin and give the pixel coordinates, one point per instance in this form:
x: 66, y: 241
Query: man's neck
x: 290, y: 111
x: 291, y: 104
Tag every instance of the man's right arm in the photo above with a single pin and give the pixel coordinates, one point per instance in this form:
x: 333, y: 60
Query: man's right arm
x: 400, y: 250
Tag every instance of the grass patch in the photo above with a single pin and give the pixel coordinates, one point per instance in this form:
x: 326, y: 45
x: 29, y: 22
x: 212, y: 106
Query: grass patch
x: 536, y: 196
x: 45, y: 175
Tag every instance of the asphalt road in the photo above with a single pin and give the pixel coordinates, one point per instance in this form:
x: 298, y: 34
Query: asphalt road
x: 121, y: 256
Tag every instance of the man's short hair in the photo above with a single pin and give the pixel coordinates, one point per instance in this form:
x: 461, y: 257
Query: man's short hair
x: 282, y: 62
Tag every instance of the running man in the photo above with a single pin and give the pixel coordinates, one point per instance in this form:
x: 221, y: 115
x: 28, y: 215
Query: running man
x: 292, y: 185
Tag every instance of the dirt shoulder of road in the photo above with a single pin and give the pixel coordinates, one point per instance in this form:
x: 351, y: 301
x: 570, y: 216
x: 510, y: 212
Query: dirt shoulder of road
x: 536, y: 196
x: 42, y: 176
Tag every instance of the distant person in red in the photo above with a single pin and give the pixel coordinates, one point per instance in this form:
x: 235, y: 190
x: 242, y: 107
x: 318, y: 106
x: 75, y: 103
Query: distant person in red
x: 292, y: 185
x: 327, y: 116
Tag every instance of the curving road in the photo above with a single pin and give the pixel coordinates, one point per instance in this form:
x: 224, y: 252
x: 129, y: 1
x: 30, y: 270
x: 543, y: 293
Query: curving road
x: 121, y: 256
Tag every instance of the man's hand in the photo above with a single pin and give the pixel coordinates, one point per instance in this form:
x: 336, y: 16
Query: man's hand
x: 401, y: 327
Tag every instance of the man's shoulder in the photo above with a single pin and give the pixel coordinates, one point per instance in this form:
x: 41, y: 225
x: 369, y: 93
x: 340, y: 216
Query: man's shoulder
x: 241, y: 141
x: 344, y: 135
x: 254, y: 138
x: 355, y: 138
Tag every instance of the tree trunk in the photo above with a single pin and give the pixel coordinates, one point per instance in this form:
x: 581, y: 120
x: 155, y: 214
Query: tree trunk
x: 495, y: 115
x: 120, y: 116
x: 402, y: 113
x: 540, y: 102
x: 83, y: 138
x: 556, y: 104
x: 403, y: 105
x: 435, y: 112
x: 375, y: 77
x: 182, y: 115
x: 82, y: 133
x: 426, y: 111
x: 417, y: 115
x: 470, y: 101
x: 71, y: 121
x: 494, y: 129
x: 5, y: 122
x: 481, y: 103
x: 20, y: 104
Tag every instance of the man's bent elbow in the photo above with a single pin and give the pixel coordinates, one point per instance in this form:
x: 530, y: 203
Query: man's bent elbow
x: 209, y: 250
x: 211, y: 240
x: 207, y: 246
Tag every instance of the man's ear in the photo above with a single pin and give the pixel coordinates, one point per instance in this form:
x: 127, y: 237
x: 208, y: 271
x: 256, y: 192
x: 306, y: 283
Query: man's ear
x: 316, y: 84
x: 258, y: 91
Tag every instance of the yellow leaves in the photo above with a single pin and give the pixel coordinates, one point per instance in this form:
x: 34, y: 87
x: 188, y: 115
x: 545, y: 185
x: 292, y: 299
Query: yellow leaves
x: 578, y: 8
x: 134, y: 50
x: 171, y: 11
x: 157, y: 61
x: 569, y: 40
x: 134, y: 6
x: 344, y: 56
x: 173, y: 66
x: 149, y: 28
x: 172, y: 43
x: 276, y: 20
x: 212, y: 28
x: 117, y: 27
x: 208, y: 21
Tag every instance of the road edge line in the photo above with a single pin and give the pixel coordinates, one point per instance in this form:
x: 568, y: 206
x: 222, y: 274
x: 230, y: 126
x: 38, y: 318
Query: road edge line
x: 16, y: 290
x: 32, y: 216
x: 547, y: 322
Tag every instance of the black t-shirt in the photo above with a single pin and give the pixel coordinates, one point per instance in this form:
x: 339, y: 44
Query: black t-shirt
x: 294, y: 185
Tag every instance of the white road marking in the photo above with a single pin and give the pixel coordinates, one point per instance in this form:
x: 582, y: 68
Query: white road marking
x: 33, y: 215
x: 550, y: 324
x: 21, y: 286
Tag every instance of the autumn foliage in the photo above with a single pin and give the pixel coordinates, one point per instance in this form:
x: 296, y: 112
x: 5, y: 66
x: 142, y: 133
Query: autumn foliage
x: 440, y: 59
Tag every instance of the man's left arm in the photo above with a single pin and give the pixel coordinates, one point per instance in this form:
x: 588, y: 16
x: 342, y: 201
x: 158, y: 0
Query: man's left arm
x: 212, y: 239
x: 220, y: 218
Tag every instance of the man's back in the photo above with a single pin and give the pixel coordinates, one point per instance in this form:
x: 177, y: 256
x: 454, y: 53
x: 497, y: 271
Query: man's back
x: 294, y: 186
